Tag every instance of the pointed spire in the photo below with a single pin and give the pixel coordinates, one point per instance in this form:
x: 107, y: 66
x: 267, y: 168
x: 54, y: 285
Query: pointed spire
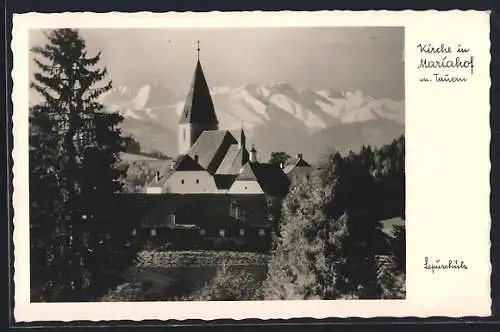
x: 199, y: 107
x: 242, y: 141
x: 198, y: 49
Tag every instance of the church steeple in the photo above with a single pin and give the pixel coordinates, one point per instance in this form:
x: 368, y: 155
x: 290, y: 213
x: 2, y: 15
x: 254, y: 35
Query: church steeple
x: 199, y: 112
x: 199, y: 107
x: 198, y: 49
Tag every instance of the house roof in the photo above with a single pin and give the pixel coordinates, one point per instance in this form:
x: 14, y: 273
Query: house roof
x: 293, y: 163
x: 211, y: 147
x: 199, y: 107
x: 270, y: 177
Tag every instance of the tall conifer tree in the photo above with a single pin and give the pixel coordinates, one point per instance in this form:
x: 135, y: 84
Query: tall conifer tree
x: 74, y: 172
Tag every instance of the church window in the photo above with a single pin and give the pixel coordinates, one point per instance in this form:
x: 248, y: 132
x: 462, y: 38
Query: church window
x: 197, y: 181
x: 262, y: 232
x: 246, y: 187
x: 153, y: 232
x: 182, y: 181
x: 134, y: 232
x: 202, y: 232
x: 242, y: 232
x: 184, y: 134
x: 222, y: 232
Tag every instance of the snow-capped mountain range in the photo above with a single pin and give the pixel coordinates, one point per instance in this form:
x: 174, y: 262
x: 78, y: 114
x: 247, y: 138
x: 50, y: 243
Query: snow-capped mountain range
x: 276, y: 117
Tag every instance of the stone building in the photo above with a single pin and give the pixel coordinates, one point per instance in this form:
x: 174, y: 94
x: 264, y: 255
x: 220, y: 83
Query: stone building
x: 216, y: 187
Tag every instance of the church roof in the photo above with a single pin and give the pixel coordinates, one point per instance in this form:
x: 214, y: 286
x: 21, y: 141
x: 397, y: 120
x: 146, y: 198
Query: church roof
x: 247, y: 173
x: 224, y: 181
x: 199, y: 107
x: 186, y: 163
x: 234, y: 159
x: 211, y: 147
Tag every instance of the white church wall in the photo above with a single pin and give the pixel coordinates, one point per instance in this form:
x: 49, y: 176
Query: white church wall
x: 153, y: 190
x: 245, y: 187
x: 190, y: 182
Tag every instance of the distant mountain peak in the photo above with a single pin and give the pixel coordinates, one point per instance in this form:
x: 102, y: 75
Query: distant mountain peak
x: 267, y: 111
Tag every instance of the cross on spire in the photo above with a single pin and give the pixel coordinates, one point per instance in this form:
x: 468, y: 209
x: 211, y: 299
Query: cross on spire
x: 198, y: 49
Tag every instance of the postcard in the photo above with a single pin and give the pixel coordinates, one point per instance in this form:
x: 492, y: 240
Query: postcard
x: 232, y: 165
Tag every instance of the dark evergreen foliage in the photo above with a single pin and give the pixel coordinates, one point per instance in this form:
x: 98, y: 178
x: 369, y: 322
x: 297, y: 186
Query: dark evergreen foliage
x: 331, y: 239
x: 77, y: 244
x: 131, y: 145
x: 279, y: 157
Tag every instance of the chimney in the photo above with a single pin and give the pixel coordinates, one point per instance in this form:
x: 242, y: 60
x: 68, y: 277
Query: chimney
x: 157, y: 176
x: 253, y: 155
x: 299, y: 155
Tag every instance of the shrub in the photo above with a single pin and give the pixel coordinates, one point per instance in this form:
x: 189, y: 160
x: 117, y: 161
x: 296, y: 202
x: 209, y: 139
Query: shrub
x: 230, y: 284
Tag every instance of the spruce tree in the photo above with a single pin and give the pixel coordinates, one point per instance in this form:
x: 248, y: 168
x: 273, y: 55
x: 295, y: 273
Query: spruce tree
x: 330, y: 236
x: 279, y: 157
x: 306, y: 261
x: 74, y: 175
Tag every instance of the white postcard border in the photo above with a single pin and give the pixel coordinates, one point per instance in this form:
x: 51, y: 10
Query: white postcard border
x: 448, y: 167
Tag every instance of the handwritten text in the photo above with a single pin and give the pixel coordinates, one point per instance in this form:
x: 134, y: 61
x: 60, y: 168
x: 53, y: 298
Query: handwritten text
x: 445, y: 64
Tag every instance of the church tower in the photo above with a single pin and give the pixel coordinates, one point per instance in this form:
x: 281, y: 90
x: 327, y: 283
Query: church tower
x: 199, y: 112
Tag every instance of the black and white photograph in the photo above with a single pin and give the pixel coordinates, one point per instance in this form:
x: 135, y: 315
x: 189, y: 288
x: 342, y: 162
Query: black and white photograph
x: 217, y: 164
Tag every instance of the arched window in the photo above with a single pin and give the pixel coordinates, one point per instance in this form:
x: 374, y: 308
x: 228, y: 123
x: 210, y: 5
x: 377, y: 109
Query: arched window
x: 197, y: 181
x: 182, y: 181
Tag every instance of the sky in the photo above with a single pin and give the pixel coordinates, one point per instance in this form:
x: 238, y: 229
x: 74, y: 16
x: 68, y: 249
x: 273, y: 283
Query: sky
x: 370, y: 59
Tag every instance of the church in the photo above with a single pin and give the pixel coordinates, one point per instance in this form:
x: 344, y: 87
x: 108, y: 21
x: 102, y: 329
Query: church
x: 217, y: 188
